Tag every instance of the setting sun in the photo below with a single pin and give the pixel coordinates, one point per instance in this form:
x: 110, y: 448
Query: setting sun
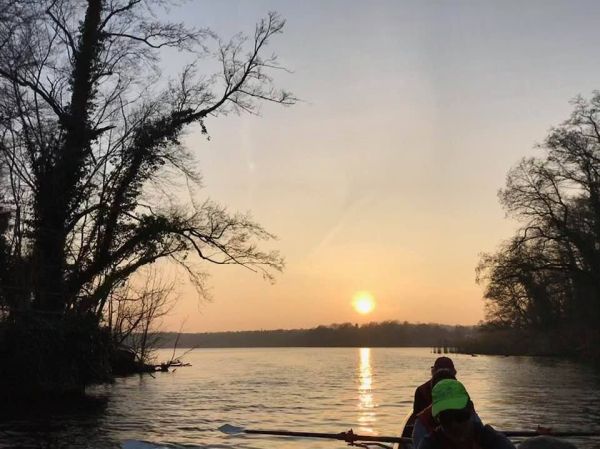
x: 363, y: 302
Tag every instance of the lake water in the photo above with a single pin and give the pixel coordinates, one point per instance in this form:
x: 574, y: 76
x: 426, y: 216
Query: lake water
x: 306, y: 389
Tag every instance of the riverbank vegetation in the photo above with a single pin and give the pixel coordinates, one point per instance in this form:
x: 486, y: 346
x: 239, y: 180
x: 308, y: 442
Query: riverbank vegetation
x: 519, y: 342
x: 542, y: 286
x: 91, y: 159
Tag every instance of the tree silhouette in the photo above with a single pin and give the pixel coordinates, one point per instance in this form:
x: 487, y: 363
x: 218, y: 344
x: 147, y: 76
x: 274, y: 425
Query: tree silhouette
x: 548, y: 275
x: 91, y: 139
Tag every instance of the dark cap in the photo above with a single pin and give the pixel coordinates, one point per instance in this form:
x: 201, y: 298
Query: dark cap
x: 444, y: 363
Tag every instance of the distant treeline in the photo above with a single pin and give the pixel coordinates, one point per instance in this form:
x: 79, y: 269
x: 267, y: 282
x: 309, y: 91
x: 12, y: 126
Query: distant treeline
x: 383, y: 334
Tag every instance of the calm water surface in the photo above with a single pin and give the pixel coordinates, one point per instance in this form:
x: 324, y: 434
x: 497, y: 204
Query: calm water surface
x: 306, y: 389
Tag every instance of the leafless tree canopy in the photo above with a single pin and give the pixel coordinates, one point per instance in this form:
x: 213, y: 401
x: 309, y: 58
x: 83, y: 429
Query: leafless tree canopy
x: 87, y: 125
x: 135, y: 312
x: 548, y: 274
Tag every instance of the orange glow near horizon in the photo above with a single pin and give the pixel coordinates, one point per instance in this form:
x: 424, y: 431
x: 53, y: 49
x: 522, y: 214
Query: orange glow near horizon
x: 363, y: 302
x: 403, y: 210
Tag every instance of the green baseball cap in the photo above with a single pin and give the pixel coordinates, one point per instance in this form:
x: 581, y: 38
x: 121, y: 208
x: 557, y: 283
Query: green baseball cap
x: 448, y: 394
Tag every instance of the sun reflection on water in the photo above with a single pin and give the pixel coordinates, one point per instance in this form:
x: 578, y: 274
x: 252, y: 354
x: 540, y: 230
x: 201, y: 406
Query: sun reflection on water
x: 366, y: 405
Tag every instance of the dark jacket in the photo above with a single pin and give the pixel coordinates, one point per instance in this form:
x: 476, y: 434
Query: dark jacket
x: 485, y: 437
x: 422, y: 398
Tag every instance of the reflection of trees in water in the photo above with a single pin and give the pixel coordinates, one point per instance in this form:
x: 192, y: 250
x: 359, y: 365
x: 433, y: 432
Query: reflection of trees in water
x: 532, y: 391
x: 54, y: 423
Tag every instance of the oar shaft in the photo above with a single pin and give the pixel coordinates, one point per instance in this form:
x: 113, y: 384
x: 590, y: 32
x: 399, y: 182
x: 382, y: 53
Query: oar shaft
x: 286, y: 433
x: 343, y: 436
x: 534, y: 433
x: 350, y: 437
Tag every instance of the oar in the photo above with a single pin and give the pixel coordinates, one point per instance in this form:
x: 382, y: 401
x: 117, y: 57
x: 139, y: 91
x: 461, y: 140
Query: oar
x: 550, y: 433
x: 348, y: 437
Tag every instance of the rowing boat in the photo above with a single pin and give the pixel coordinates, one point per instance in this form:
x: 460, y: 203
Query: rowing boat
x: 407, y: 429
x: 407, y: 425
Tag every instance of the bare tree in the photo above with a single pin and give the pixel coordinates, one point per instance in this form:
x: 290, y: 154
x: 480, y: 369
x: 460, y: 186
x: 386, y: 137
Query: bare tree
x: 85, y: 133
x: 134, y: 312
x: 547, y: 276
x: 90, y: 132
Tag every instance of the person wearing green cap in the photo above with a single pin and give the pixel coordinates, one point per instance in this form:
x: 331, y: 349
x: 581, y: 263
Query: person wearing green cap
x: 424, y: 423
x: 442, y: 368
x: 458, y: 429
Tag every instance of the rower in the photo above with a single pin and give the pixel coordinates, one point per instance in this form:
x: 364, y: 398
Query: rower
x: 452, y: 409
x: 424, y: 422
x: 443, y: 366
x: 423, y: 392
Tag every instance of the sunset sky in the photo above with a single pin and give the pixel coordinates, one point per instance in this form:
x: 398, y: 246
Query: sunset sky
x: 384, y: 178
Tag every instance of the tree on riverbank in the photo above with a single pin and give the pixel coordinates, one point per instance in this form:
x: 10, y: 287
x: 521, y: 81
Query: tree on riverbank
x: 90, y: 135
x: 135, y: 311
x: 547, y: 276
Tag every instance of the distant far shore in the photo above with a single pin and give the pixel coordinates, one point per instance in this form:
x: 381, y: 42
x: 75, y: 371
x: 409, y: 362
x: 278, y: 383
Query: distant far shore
x: 383, y: 334
x: 391, y: 334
